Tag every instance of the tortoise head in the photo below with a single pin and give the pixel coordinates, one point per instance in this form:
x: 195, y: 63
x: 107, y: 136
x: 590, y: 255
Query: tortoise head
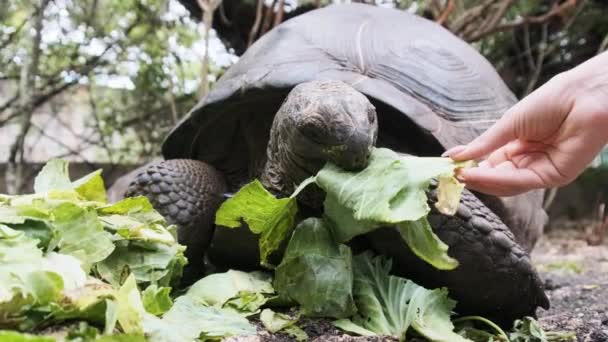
x: 319, y: 122
x: 330, y: 122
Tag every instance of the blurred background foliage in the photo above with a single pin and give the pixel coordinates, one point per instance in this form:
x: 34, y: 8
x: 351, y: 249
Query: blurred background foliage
x: 105, y: 80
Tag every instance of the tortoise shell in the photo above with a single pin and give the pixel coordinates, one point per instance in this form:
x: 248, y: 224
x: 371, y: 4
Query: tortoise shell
x: 431, y: 89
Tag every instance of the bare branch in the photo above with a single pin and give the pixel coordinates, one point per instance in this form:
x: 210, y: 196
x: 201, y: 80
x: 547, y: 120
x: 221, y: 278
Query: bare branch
x: 539, y: 60
x: 280, y: 11
x: 256, y: 24
x: 27, y: 92
x: 557, y: 11
x: 449, y: 8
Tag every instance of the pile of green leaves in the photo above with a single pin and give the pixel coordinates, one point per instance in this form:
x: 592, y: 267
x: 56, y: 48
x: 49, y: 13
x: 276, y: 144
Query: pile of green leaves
x: 318, y: 272
x: 74, y: 267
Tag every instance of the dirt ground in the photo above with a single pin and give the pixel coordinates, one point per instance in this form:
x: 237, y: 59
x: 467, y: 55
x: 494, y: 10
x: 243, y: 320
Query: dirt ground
x: 576, y: 278
x: 575, y: 275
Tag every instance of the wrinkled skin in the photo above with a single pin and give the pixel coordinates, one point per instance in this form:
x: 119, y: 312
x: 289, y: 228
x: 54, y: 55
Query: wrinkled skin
x: 324, y: 121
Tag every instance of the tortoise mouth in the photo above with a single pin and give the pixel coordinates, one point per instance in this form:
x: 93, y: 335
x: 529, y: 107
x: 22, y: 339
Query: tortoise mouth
x: 354, y: 154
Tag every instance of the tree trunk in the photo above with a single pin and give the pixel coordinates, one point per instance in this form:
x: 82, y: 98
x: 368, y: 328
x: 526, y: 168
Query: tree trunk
x: 27, y: 97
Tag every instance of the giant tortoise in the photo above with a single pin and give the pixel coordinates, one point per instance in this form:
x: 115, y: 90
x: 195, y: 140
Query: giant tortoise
x: 328, y: 86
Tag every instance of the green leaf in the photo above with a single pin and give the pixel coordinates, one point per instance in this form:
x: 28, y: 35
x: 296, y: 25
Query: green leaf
x: 527, y: 330
x: 91, y: 187
x: 136, y: 208
x: 274, y: 321
x: 30, y: 280
x: 241, y: 291
x: 53, y: 176
x: 130, y: 307
x: 127, y: 206
x: 390, y: 190
x: 316, y: 272
x: 79, y: 233
x: 122, y: 338
x: 389, y: 305
x: 421, y: 239
x: 266, y: 215
x: 348, y: 325
x: 149, y: 263
x: 157, y: 300
x: 15, y: 336
x: 188, y: 319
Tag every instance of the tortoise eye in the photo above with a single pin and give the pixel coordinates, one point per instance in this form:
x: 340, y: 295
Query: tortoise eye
x: 314, y: 127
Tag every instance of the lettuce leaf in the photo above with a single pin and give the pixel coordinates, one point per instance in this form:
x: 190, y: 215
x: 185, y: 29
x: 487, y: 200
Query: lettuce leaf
x: 421, y: 239
x: 149, y: 263
x: 15, y: 336
x: 391, y: 190
x: 157, y: 300
x: 266, y: 215
x: 242, y: 292
x: 275, y: 322
x: 53, y: 176
x: 316, y: 272
x: 91, y: 187
x: 79, y: 233
x: 390, y: 305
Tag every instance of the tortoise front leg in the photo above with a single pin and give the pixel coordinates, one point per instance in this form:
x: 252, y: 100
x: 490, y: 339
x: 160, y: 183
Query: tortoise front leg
x: 187, y: 193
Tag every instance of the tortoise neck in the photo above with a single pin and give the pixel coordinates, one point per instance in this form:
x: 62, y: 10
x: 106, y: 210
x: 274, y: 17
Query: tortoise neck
x: 284, y: 170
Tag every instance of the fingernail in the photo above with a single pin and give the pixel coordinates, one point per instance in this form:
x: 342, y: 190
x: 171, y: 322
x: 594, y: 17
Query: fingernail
x: 454, y: 150
x: 458, y: 174
x: 461, y: 178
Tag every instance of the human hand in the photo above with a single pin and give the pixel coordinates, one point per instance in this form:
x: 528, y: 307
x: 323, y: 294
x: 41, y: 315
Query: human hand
x: 545, y: 140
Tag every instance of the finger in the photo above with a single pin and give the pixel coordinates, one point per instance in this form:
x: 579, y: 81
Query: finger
x: 493, y: 190
x: 495, y: 137
x: 507, y: 152
x: 505, y: 178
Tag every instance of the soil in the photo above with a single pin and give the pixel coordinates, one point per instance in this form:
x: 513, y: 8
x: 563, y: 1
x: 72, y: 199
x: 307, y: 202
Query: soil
x: 576, y: 280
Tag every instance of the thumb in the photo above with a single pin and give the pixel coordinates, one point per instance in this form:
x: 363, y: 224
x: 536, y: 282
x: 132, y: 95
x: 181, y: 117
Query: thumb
x: 493, y: 138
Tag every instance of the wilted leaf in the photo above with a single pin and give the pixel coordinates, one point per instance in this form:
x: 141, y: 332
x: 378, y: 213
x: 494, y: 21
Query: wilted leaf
x: 316, y: 272
x: 449, y: 190
x: 274, y: 321
x: 243, y: 292
x: 188, y: 319
x: 266, y: 215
